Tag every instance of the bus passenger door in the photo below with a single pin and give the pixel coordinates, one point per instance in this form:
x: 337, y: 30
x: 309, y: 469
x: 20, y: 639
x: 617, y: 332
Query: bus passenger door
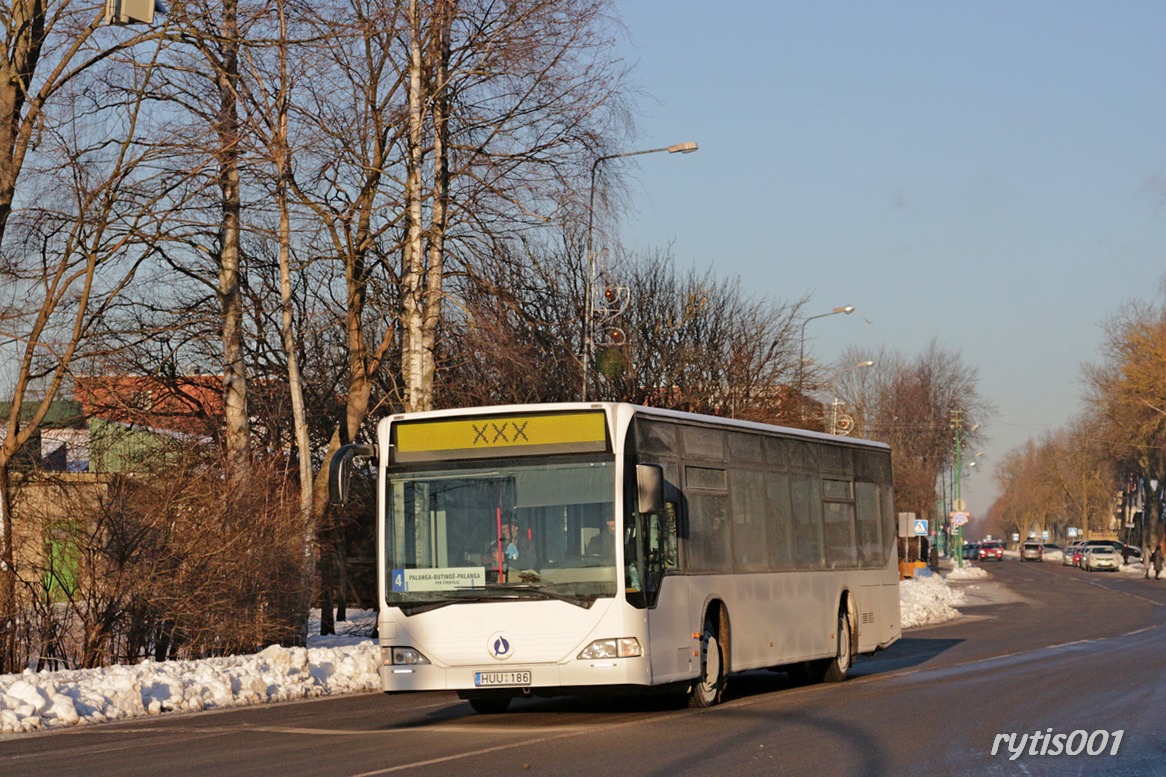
x: 669, y: 620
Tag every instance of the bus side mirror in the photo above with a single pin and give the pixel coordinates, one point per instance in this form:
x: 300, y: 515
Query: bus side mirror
x: 340, y: 471
x: 650, y: 488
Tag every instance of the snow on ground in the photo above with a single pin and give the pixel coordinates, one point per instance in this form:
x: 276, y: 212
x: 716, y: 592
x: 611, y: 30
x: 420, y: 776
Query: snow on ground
x: 334, y: 665
x: 928, y: 599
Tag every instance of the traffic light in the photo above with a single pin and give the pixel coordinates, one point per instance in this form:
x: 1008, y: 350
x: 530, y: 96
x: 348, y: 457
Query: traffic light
x: 132, y: 11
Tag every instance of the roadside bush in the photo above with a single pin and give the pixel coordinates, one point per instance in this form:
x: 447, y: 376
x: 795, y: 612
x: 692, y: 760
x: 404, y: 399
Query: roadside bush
x: 162, y: 563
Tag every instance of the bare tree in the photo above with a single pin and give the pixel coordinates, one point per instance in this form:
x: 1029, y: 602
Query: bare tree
x: 1083, y: 474
x: 267, y: 84
x: 72, y: 251
x: 912, y: 405
x: 457, y: 126
x: 1129, y: 396
x: 684, y: 341
x: 699, y: 343
x: 512, y: 337
x: 850, y: 384
x: 1029, y: 499
x: 507, y: 106
x: 202, y: 78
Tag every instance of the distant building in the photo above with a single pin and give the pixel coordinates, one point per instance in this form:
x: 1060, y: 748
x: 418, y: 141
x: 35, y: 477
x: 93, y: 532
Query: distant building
x: 115, y: 422
x: 61, y: 444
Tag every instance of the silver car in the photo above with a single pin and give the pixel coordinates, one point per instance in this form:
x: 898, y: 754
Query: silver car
x: 1032, y: 551
x: 1100, y: 557
x: 1070, y: 552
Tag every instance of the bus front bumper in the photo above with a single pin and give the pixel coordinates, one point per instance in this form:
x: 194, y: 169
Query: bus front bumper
x: 518, y: 679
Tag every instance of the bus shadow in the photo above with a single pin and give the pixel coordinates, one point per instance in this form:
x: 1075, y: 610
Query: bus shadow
x: 908, y: 652
x: 905, y: 654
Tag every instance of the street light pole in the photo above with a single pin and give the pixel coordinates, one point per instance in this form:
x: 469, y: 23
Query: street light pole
x: 834, y: 418
x: 958, y: 505
x: 847, y: 309
x: 589, y: 282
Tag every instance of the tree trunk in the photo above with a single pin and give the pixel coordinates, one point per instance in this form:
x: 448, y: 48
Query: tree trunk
x: 281, y: 152
x: 8, y: 610
x: 1152, y: 531
x: 412, y: 300
x: 238, y: 425
x: 439, y: 88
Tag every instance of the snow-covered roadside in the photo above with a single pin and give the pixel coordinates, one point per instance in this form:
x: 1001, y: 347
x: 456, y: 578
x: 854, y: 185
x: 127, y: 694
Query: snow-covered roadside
x: 346, y: 663
x: 928, y: 599
x: 333, y: 665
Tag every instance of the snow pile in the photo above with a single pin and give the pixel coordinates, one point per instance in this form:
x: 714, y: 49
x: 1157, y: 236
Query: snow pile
x: 928, y: 599
x: 967, y: 572
x: 345, y: 663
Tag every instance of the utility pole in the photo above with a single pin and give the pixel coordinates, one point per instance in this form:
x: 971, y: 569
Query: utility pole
x: 956, y: 502
x: 588, y: 346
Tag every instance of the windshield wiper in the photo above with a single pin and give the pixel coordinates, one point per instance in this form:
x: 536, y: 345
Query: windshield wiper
x: 534, y: 590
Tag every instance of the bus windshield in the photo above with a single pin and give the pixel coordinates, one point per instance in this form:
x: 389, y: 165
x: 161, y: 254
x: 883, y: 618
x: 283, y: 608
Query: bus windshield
x: 529, y: 529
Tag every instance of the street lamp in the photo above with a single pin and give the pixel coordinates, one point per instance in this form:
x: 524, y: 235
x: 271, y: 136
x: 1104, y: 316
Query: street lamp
x: 958, y: 505
x: 847, y: 309
x: 834, y: 419
x: 589, y: 281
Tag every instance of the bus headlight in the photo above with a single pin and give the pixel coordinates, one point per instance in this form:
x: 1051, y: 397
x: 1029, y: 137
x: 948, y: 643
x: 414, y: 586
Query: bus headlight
x: 623, y: 647
x: 402, y: 656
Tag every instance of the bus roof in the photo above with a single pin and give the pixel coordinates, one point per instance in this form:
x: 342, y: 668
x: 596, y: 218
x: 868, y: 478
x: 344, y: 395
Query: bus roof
x: 619, y: 409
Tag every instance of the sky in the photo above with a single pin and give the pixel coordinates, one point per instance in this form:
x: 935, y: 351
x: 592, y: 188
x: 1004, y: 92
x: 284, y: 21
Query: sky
x: 330, y: 666
x: 989, y: 175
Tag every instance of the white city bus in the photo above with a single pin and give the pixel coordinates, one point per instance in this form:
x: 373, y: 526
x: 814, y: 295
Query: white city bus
x: 741, y: 546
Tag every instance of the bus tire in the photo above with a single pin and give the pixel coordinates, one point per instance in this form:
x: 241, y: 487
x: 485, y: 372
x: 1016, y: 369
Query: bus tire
x: 489, y: 705
x: 838, y: 667
x: 707, y: 689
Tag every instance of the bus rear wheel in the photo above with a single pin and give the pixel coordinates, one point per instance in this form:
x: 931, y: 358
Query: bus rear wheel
x: 828, y: 670
x: 838, y: 667
x: 707, y: 690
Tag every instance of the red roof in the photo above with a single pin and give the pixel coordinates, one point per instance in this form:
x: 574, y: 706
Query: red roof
x: 191, y: 404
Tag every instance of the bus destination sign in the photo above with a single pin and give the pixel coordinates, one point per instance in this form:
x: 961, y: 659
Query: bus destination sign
x: 525, y: 434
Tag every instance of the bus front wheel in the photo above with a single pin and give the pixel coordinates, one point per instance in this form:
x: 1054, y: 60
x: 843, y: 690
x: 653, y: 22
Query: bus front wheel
x: 706, y: 691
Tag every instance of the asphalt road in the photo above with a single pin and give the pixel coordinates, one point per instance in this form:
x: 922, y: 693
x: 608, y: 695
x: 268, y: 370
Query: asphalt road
x: 1043, y: 649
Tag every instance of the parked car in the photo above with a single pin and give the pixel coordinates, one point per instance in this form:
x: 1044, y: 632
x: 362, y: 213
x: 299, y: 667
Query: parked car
x: 1071, y: 553
x: 970, y: 550
x: 1117, y: 546
x: 1100, y: 557
x: 1103, y: 543
x: 991, y: 550
x: 1032, y: 551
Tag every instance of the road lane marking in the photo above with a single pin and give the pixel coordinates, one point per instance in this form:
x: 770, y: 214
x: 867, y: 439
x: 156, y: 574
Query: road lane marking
x: 1098, y: 584
x: 525, y: 742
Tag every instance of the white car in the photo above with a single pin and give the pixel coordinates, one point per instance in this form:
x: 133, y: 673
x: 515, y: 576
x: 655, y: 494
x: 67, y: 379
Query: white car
x: 1069, y: 552
x: 1100, y: 557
